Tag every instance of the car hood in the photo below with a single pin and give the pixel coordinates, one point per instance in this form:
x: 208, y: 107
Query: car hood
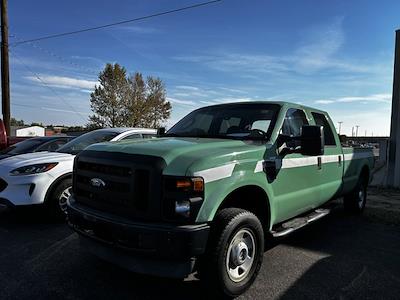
x: 3, y: 156
x: 34, y: 158
x: 180, y: 154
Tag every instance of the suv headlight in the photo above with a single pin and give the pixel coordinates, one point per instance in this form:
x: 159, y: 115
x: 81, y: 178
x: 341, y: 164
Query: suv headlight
x: 33, y: 169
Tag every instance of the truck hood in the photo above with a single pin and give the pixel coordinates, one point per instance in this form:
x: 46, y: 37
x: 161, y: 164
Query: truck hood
x: 182, y: 153
x: 34, y: 158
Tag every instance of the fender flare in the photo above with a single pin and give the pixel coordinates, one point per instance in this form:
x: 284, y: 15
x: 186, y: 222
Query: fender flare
x: 54, y: 184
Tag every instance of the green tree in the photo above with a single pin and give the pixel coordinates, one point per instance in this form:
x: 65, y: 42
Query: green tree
x: 158, y: 109
x: 147, y: 105
x: 136, y: 105
x: 108, y: 101
x: 15, y: 122
x: 123, y: 101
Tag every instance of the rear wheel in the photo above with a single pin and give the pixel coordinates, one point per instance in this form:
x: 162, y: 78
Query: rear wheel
x: 57, y: 201
x: 234, y: 253
x: 355, y: 201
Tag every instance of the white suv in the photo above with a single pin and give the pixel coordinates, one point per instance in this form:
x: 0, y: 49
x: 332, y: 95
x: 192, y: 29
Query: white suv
x: 45, y: 177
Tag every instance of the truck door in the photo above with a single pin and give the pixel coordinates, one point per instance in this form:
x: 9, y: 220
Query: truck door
x: 332, y: 161
x: 296, y: 187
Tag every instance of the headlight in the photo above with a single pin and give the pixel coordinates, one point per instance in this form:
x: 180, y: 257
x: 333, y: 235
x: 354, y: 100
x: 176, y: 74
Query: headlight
x: 183, y: 197
x: 33, y: 169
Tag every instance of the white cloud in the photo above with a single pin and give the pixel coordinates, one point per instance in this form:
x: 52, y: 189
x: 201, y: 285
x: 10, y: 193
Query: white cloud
x: 182, y: 102
x: 65, y: 82
x: 65, y: 110
x: 386, y: 98
x: 233, y: 90
x: 187, y: 88
x: 317, y: 51
x: 376, y: 97
x: 232, y: 99
x: 320, y: 44
x: 324, y: 101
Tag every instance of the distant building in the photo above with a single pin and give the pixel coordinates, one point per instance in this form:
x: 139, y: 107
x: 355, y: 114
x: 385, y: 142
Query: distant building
x: 27, y: 131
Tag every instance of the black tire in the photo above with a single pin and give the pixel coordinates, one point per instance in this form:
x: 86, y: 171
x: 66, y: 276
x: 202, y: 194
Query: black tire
x: 53, y: 206
x: 355, y: 201
x: 224, y: 252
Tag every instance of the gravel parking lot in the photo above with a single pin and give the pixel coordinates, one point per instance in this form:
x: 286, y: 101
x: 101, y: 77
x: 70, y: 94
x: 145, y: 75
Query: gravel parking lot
x: 339, y: 257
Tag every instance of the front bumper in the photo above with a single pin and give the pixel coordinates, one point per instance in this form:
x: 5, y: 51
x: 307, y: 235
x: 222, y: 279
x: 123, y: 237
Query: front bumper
x: 26, y: 190
x: 151, y: 248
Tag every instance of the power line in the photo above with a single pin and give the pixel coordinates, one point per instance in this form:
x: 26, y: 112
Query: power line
x: 48, y: 86
x: 64, y: 60
x: 116, y: 23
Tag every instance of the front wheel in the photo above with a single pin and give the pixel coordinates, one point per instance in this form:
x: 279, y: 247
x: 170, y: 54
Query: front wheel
x: 235, y: 252
x: 57, y: 201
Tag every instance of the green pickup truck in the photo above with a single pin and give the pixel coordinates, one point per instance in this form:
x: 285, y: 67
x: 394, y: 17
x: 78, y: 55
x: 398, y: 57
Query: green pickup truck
x: 208, y: 194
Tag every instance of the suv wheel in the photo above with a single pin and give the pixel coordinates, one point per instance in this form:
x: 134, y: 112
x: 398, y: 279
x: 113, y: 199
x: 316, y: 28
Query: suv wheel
x: 235, y: 252
x: 57, y: 201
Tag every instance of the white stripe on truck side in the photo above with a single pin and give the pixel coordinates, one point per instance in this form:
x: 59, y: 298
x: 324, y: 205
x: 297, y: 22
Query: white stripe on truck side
x: 216, y: 173
x: 288, y: 163
x: 225, y: 171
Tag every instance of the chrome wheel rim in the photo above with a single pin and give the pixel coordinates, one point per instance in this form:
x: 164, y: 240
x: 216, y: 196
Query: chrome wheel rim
x: 361, y: 197
x: 240, y: 255
x: 62, y: 200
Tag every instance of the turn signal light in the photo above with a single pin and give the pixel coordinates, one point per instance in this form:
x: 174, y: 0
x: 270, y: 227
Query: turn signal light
x: 198, y: 184
x: 195, y: 184
x: 183, y: 183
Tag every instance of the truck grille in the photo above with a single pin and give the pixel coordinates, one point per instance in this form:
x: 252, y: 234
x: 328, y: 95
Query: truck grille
x: 124, y: 184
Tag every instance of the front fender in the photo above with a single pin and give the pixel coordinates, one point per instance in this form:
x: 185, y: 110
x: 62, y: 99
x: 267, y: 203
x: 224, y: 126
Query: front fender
x: 217, y: 191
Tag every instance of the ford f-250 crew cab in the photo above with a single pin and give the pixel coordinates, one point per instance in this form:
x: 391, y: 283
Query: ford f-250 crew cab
x: 206, y: 194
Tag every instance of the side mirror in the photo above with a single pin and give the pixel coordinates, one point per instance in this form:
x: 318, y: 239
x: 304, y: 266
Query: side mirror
x: 161, y: 131
x: 312, y: 140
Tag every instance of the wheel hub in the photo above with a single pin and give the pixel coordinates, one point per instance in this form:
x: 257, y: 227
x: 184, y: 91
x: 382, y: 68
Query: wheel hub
x: 62, y: 201
x: 361, y: 197
x: 239, y: 253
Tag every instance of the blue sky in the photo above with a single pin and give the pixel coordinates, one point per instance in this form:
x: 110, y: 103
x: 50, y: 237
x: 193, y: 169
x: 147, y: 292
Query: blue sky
x: 334, y: 55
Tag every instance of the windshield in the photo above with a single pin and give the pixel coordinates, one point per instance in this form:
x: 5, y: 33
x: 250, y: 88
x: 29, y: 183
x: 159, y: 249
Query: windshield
x: 87, y: 139
x: 23, y: 147
x: 234, y: 121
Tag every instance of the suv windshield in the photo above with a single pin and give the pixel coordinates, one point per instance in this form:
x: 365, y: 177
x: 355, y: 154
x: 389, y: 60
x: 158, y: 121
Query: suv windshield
x: 234, y: 121
x: 23, y: 147
x: 87, y: 139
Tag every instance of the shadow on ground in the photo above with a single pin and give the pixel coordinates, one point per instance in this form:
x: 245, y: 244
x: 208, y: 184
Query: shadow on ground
x: 340, y: 257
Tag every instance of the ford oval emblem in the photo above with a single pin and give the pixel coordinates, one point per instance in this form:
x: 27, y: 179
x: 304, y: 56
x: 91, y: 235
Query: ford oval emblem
x: 97, y: 182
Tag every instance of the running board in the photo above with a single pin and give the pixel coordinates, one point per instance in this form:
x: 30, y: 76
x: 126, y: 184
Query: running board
x: 299, y: 222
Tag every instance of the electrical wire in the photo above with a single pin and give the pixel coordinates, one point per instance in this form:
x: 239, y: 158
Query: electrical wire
x: 62, y: 99
x: 115, y: 24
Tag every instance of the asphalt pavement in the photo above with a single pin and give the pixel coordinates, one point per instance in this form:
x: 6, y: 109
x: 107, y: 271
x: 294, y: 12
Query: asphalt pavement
x: 338, y: 257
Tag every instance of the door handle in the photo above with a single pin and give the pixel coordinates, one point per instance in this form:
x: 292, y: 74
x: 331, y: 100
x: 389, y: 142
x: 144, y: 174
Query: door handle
x: 339, y: 160
x: 319, y: 163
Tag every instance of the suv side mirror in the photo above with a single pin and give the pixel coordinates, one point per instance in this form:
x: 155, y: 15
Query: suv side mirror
x: 161, y: 131
x: 312, y: 140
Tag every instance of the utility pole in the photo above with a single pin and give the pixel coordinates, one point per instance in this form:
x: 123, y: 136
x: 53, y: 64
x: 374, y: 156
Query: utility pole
x: 340, y: 126
x: 5, y: 69
x: 352, y: 131
x: 357, y: 130
x: 393, y: 175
